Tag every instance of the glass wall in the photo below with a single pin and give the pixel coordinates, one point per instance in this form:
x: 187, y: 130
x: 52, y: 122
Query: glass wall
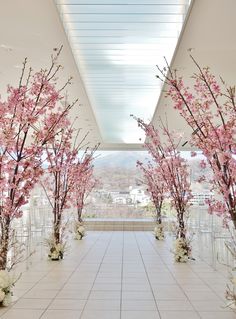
x: 121, y: 192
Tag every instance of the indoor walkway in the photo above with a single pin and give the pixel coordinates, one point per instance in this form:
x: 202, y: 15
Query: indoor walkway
x: 119, y: 275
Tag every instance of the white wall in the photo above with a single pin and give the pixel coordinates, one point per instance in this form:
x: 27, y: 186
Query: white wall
x: 211, y: 32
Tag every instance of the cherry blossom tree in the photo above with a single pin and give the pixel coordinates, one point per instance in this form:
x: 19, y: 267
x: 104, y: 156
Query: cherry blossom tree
x: 175, y: 174
x: 30, y: 116
x: 156, y: 188
x: 66, y: 177
x: 86, y: 183
x: 83, y: 186
x: 59, y: 182
x: 209, y: 108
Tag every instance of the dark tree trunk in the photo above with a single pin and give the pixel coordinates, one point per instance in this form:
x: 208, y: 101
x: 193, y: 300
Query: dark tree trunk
x: 181, y: 228
x: 158, y: 211
x: 232, y: 213
x: 4, y: 241
x: 56, y: 228
x: 79, y: 211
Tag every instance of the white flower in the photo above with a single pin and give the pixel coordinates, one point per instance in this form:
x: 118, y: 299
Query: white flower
x: 77, y: 236
x: 181, y: 250
x: 158, y: 232
x: 59, y: 248
x: 54, y: 255
x: 7, y: 300
x: 81, y: 230
x: 2, y: 295
x: 57, y: 251
x: 5, y: 280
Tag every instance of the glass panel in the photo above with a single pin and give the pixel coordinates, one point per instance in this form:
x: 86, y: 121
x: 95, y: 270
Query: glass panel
x: 124, y: 9
x: 126, y: 18
x: 116, y: 45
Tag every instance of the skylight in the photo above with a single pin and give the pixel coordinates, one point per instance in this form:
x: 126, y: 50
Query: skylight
x: 116, y: 45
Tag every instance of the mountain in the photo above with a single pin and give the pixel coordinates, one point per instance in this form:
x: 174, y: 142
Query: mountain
x: 120, y: 159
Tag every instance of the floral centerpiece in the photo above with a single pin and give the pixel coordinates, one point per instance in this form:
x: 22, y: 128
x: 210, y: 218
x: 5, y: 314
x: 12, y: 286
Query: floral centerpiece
x: 230, y: 293
x: 7, y: 282
x: 182, y: 250
x: 159, y: 231
x: 79, y: 230
x: 56, y: 249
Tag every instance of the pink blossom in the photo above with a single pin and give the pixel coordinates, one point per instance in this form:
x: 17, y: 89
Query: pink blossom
x: 26, y: 125
x: 202, y: 164
x: 172, y: 169
x: 69, y: 178
x: 208, y: 107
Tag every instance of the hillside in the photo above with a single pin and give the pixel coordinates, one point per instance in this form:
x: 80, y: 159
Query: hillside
x: 116, y: 159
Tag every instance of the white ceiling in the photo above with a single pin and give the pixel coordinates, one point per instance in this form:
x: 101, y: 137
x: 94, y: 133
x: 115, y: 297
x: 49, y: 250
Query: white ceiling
x: 116, y: 44
x: 33, y: 28
x: 210, y: 34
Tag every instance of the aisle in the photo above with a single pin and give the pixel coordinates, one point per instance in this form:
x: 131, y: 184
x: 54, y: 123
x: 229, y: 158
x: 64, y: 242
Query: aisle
x: 119, y: 275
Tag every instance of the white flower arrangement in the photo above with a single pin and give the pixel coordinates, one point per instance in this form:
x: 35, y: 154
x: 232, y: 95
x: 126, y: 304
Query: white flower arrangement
x: 6, y: 284
x: 230, y: 293
x: 159, y: 232
x: 79, y: 230
x: 182, y: 250
x: 56, y: 250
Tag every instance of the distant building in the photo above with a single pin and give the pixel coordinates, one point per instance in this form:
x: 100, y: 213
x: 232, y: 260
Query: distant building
x: 120, y: 200
x: 134, y: 196
x: 139, y: 197
x: 120, y: 197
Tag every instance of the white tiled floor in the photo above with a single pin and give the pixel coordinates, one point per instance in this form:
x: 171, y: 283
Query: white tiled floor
x: 119, y: 275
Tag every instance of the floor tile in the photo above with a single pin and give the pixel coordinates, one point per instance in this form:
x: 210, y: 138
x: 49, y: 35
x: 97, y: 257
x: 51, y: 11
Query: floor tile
x: 61, y: 314
x: 209, y: 305
x: 90, y: 281
x: 22, y: 313
x: 73, y: 294
x: 107, y: 286
x: 179, y: 315
x: 202, y: 295
x: 104, y: 295
x: 138, y: 305
x: 137, y: 295
x: 136, y: 287
x: 139, y: 315
x: 103, y: 305
x: 41, y: 293
x: 183, y: 305
x: 217, y: 315
x: 24, y: 303
x: 95, y: 314
x: 70, y: 304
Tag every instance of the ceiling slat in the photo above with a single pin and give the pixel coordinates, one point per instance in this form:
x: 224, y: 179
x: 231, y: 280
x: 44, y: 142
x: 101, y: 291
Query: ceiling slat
x: 116, y: 44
